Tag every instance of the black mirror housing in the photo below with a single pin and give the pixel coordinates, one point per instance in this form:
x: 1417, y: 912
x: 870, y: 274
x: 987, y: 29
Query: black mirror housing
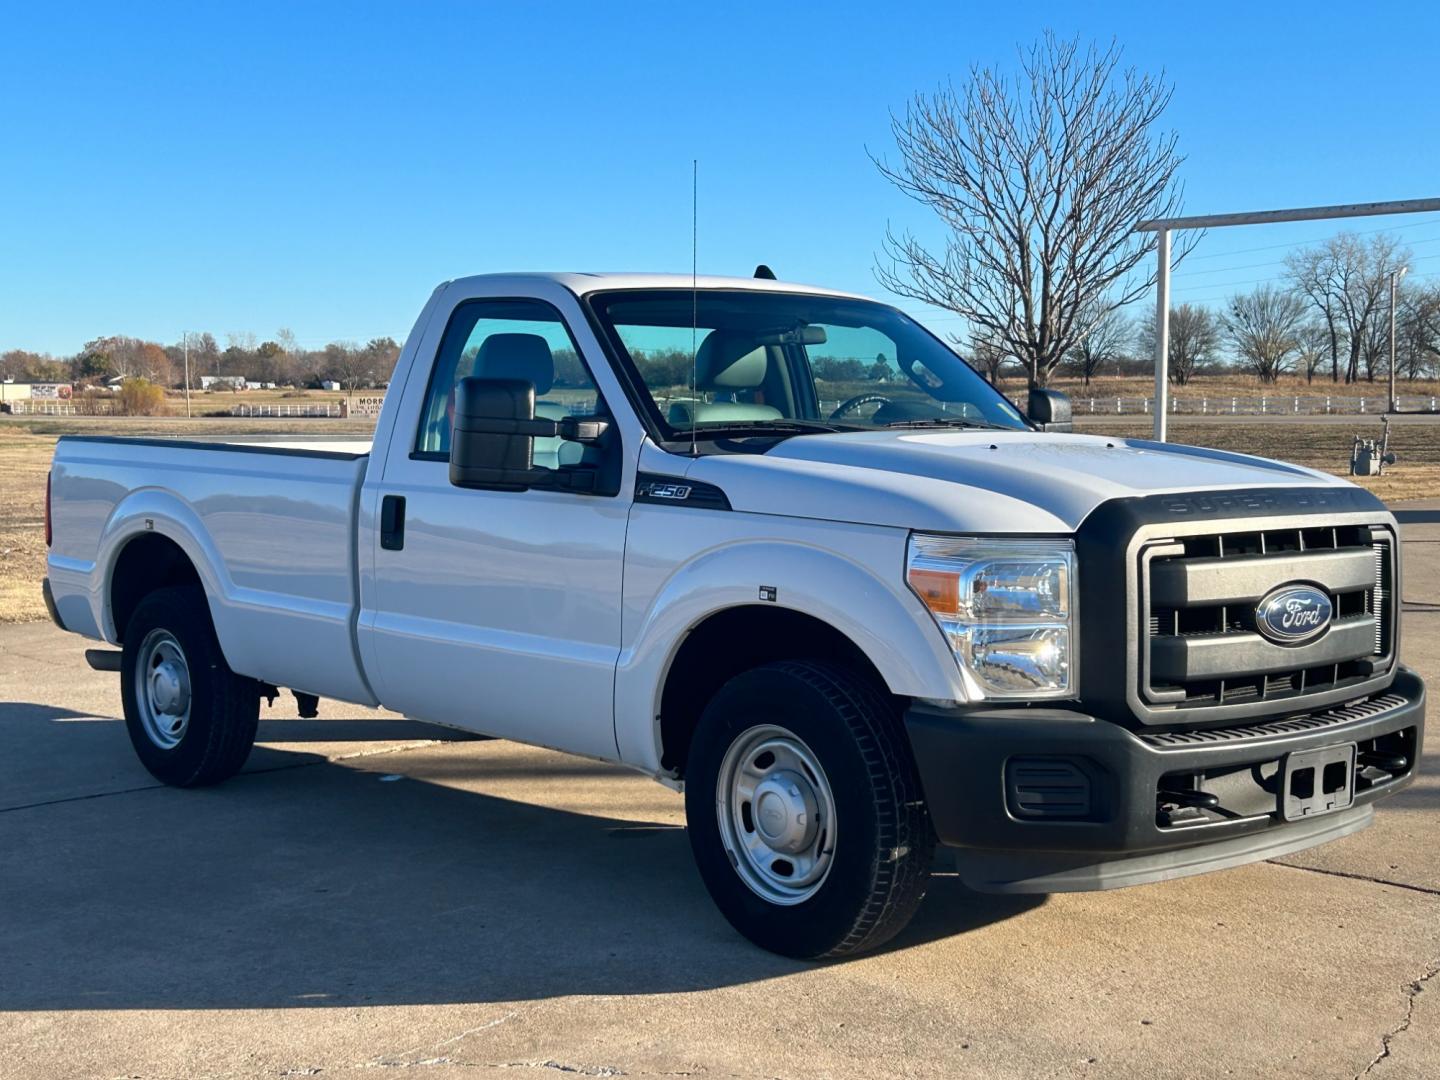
x: 1050, y: 410
x: 492, y: 439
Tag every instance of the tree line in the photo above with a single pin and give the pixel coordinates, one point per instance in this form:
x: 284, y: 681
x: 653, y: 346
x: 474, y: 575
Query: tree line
x: 279, y: 360
x: 1038, y: 176
x: 1327, y: 318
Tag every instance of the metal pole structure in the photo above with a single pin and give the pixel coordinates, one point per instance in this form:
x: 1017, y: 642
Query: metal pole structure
x: 186, y: 338
x: 1162, y: 329
x: 1395, y: 275
x: 1163, y: 226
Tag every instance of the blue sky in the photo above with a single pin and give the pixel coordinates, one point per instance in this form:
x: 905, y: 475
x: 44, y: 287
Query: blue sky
x: 322, y: 167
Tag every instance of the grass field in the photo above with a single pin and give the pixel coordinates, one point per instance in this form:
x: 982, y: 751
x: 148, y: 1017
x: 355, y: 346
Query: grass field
x: 1245, y: 386
x: 27, y: 444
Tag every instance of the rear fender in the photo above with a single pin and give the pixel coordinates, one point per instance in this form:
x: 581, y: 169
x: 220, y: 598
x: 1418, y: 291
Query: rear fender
x: 155, y: 510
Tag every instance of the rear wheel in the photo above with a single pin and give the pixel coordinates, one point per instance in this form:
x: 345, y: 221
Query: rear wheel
x: 804, y: 810
x: 190, y: 718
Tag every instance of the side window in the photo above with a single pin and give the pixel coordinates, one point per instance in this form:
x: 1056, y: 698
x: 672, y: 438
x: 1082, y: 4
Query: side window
x: 507, y: 339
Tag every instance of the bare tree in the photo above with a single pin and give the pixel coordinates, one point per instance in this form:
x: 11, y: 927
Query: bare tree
x: 127, y: 357
x: 1264, y: 327
x: 1417, y: 332
x: 1194, y: 340
x: 1039, y: 180
x: 1347, y: 281
x: 1104, y: 343
x: 381, y: 354
x: 292, y: 366
x: 1316, y: 275
x: 986, y: 355
x: 352, y: 366
x: 24, y: 366
x: 1312, y: 346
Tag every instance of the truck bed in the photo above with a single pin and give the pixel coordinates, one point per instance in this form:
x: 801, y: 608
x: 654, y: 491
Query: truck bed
x: 270, y: 525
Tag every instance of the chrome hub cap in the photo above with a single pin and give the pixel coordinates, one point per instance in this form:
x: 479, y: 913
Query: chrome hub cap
x: 162, y: 689
x: 776, y: 814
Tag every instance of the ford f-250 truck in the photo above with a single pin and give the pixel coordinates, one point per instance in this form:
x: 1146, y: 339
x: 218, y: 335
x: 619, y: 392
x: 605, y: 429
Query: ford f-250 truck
x: 627, y: 517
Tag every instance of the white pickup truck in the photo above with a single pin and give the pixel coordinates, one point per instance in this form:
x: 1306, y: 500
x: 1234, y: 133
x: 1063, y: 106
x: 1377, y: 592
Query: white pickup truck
x: 629, y: 517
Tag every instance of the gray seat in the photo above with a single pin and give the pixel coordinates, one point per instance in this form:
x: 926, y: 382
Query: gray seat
x: 528, y: 357
x: 726, y: 362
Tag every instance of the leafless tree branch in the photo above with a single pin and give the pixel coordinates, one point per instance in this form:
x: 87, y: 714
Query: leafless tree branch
x: 1039, y: 179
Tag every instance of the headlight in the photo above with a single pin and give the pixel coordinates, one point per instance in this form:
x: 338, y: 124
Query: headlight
x: 1007, y: 608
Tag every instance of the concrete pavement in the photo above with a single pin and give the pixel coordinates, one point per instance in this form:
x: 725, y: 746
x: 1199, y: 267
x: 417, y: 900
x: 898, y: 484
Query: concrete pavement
x: 377, y: 894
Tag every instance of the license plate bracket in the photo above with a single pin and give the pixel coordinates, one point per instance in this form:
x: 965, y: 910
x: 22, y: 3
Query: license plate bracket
x: 1315, y: 782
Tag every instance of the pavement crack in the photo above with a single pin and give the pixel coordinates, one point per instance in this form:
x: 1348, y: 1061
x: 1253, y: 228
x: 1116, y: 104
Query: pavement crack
x: 1423, y: 889
x: 78, y: 798
x: 433, y: 1051
x: 557, y: 1066
x: 1412, y: 991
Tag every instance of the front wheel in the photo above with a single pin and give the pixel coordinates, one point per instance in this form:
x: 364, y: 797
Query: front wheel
x: 191, y: 719
x: 805, y: 812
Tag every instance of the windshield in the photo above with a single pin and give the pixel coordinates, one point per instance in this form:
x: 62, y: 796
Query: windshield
x: 791, y: 362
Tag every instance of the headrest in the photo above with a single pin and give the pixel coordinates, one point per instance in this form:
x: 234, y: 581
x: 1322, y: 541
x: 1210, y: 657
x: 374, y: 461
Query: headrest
x: 517, y: 356
x: 730, y: 361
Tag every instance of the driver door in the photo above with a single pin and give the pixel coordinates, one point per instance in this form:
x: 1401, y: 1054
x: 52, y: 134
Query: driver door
x: 499, y: 611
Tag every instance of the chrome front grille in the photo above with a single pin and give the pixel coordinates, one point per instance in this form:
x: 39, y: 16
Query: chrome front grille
x: 1199, y: 643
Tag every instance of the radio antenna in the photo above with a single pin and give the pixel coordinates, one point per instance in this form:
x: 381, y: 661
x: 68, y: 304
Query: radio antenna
x: 694, y: 305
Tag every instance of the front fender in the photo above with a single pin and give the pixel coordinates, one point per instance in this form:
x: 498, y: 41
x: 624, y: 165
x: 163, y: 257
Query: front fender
x: 881, y: 617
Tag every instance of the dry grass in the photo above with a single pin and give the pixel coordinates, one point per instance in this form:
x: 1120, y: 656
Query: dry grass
x: 1317, y: 446
x: 27, y: 445
x: 1244, y: 386
x: 24, y: 462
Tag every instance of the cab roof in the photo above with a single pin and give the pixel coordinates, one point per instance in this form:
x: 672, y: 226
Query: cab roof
x: 582, y: 283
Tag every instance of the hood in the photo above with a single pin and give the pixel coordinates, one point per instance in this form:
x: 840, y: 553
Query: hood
x: 978, y: 481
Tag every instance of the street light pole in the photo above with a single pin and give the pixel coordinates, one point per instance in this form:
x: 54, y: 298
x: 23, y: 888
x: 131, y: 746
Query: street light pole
x: 186, y: 338
x: 1395, y: 276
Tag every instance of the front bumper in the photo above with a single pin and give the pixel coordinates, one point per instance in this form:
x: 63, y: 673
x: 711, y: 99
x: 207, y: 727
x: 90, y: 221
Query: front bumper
x: 1049, y: 800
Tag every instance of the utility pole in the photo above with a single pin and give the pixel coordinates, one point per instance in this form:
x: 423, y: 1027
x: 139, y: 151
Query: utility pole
x: 186, y: 338
x: 1395, y: 276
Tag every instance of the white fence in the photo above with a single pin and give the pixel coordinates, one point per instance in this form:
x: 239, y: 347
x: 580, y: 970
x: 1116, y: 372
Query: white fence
x: 1264, y: 405
x: 59, y: 408
x: 331, y: 409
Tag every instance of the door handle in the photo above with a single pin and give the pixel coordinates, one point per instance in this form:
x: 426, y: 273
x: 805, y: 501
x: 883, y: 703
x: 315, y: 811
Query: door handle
x: 392, y: 522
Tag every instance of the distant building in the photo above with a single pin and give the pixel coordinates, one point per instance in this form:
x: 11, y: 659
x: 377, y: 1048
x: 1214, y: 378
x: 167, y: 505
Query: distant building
x: 10, y: 390
x: 222, y: 382
x: 329, y: 384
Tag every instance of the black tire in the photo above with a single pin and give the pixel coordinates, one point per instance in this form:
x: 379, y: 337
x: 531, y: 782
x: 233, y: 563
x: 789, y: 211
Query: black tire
x: 881, y: 861
x: 224, y: 708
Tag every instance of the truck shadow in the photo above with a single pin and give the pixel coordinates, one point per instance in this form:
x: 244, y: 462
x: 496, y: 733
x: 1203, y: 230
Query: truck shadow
x: 1417, y: 516
x: 335, y: 884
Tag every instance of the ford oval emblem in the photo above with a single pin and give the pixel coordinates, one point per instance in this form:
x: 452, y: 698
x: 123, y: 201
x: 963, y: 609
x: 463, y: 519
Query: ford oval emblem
x: 1293, y: 613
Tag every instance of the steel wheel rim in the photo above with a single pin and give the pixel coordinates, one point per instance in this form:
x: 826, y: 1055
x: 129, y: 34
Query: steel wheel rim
x: 776, y: 814
x: 162, y: 689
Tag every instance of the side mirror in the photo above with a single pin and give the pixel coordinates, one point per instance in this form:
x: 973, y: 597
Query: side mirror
x: 1050, y: 410
x: 492, y: 439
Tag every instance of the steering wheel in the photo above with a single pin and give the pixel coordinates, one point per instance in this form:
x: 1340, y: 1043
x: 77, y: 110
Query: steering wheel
x: 847, y: 407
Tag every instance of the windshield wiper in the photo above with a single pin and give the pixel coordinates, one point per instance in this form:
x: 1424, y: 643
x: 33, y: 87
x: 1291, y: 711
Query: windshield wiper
x: 948, y: 421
